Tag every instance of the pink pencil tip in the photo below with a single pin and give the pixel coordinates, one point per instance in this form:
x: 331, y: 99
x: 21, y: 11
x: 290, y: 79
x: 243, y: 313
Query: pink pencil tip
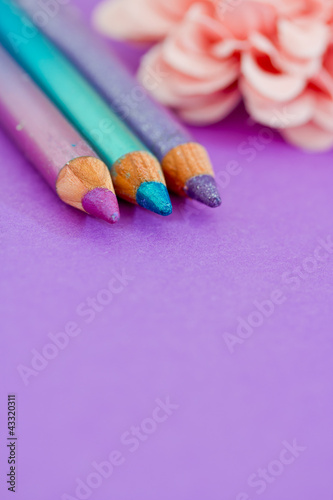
x: 102, y: 203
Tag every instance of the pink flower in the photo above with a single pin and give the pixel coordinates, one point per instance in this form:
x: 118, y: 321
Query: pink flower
x: 276, y: 54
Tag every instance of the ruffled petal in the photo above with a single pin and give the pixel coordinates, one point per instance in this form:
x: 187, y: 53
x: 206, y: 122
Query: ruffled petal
x: 316, y: 9
x: 209, y: 109
x: 244, y: 17
x: 273, y: 85
x: 309, y: 137
x: 175, y: 82
x: 131, y: 20
x: 323, y: 115
x: 188, y: 49
x: 276, y: 114
x: 303, y: 38
x: 201, y: 66
x: 303, y: 68
x: 227, y: 48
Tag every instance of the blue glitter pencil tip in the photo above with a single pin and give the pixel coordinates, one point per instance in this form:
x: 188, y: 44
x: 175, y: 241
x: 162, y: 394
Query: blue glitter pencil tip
x: 154, y: 196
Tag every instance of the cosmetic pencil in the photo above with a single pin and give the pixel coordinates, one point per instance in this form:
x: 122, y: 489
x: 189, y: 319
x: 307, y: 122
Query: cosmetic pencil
x: 58, y: 152
x: 112, y: 140
x: 186, y: 165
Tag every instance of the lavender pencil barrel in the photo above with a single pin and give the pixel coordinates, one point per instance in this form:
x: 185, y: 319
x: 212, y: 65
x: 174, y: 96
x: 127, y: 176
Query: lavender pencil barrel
x: 185, y: 164
x: 52, y: 145
x: 34, y: 124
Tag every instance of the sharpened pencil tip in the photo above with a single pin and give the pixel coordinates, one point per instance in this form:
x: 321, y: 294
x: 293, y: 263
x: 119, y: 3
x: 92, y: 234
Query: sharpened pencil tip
x: 102, y: 203
x: 154, y: 196
x: 203, y: 188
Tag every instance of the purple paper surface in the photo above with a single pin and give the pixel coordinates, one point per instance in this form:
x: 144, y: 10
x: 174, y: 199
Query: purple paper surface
x: 252, y: 423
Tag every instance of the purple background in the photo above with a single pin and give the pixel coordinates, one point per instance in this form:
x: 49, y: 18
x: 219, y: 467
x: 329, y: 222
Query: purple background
x: 195, y: 273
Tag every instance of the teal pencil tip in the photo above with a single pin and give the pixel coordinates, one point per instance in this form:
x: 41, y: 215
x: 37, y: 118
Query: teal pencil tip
x: 154, y: 196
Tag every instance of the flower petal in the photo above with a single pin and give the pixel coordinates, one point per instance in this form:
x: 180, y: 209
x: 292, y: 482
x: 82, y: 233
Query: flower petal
x: 211, y: 109
x: 131, y: 20
x: 303, y: 38
x: 309, y: 137
x: 276, y: 114
x: 303, y: 68
x: 323, y: 115
x: 276, y: 86
x: 200, y: 66
x: 175, y: 82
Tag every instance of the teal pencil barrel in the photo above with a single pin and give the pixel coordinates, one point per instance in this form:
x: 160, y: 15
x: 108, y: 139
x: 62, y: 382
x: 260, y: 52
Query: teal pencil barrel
x: 73, y: 95
x: 65, y: 86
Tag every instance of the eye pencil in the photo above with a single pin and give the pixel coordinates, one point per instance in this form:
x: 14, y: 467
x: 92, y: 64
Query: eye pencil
x: 112, y: 140
x: 58, y: 152
x: 185, y: 163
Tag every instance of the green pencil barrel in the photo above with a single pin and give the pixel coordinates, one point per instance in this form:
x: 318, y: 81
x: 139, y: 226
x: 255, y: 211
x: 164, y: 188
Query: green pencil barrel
x: 73, y: 95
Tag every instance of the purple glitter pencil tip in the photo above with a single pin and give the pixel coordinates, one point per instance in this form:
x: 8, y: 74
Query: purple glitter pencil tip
x: 203, y: 188
x: 102, y: 203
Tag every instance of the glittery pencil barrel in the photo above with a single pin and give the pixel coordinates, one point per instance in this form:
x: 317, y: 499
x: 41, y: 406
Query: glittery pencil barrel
x: 112, y: 140
x: 53, y: 146
x: 185, y: 163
